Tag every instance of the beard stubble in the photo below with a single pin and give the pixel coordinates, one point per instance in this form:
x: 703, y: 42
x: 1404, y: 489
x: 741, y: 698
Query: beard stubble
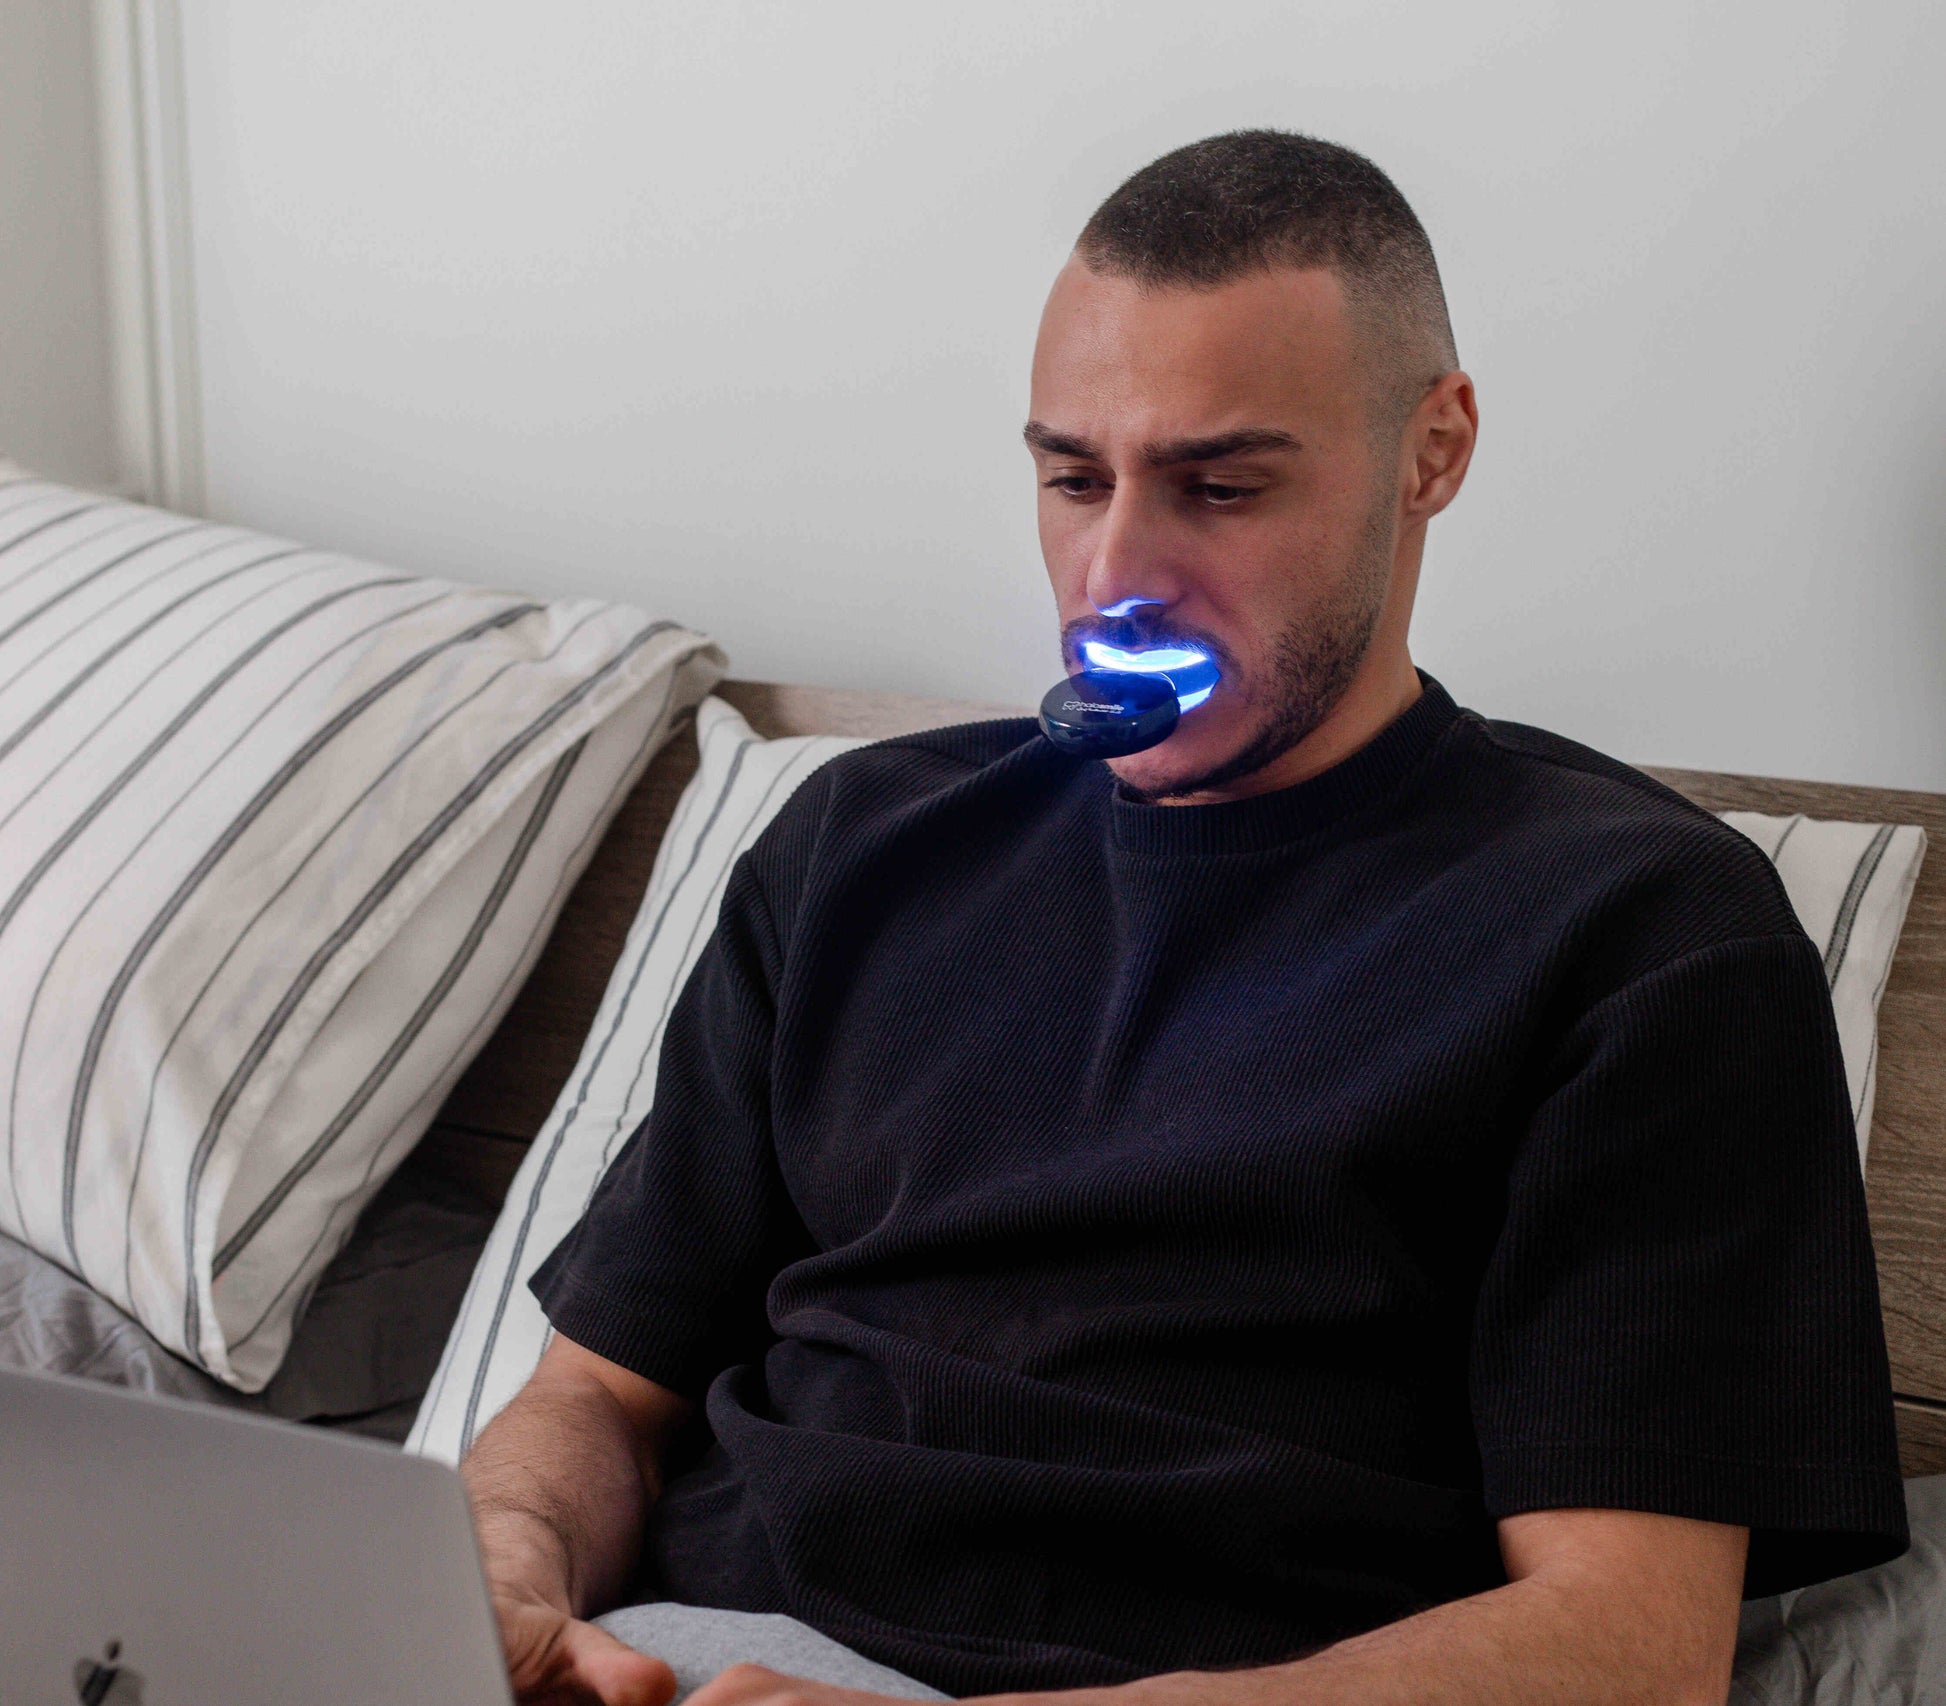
x: 1312, y: 662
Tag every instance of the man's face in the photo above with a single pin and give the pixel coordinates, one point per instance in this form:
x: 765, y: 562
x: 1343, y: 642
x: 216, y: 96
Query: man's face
x: 1207, y: 473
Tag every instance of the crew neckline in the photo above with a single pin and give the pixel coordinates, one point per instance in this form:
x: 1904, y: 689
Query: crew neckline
x: 1287, y: 814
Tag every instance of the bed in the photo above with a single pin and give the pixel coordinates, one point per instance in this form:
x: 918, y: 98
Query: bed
x: 397, y: 1288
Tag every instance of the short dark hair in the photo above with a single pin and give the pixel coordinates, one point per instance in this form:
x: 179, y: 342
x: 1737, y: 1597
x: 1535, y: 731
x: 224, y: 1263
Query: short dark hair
x: 1217, y: 210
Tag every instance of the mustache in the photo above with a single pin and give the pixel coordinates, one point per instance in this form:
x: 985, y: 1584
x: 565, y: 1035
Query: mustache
x: 1137, y: 633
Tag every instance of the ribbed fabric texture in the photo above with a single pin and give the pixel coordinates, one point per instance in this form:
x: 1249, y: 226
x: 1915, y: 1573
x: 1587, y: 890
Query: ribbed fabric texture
x: 1115, y: 1238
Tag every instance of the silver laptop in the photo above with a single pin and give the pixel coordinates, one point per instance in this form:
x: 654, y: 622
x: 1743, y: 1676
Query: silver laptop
x: 155, y: 1553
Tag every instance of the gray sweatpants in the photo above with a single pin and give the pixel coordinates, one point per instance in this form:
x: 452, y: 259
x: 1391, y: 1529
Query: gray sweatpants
x: 696, y: 1642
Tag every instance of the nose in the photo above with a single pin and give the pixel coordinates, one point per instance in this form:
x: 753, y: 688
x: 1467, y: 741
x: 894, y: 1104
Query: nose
x: 1128, y: 568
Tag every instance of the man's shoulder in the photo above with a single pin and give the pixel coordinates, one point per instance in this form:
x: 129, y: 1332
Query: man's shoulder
x: 887, y: 778
x: 941, y: 754
x: 1575, y: 806
x: 1568, y: 782
x: 905, y: 769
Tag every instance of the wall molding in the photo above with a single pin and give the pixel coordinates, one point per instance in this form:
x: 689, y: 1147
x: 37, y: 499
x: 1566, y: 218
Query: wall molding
x: 151, y: 285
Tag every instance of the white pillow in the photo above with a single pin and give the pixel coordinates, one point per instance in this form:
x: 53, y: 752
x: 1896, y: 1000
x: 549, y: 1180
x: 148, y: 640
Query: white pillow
x: 280, y: 834
x: 1849, y: 884
x: 740, y: 784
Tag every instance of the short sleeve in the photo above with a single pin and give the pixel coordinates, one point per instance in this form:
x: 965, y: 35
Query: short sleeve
x: 1680, y: 1313
x: 666, y: 1273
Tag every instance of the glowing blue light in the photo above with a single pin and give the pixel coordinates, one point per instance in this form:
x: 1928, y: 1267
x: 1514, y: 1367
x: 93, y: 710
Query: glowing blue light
x: 1134, y: 601
x: 1187, y: 667
x: 1156, y: 660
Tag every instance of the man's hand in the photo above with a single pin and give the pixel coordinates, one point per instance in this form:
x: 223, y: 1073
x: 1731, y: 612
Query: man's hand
x: 752, y: 1685
x: 557, y: 1660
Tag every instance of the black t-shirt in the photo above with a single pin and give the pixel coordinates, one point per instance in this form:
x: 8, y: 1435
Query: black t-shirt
x: 1116, y: 1238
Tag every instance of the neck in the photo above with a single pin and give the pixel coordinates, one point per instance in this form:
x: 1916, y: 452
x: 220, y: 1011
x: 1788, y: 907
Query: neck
x: 1382, y: 691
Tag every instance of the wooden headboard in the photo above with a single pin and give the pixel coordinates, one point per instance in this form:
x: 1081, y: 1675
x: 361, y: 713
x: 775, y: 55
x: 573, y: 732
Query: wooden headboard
x: 495, y: 1110
x: 1905, y: 1172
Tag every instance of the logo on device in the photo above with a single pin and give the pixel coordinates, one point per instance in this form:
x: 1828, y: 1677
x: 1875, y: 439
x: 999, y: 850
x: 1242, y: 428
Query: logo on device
x: 104, y: 1682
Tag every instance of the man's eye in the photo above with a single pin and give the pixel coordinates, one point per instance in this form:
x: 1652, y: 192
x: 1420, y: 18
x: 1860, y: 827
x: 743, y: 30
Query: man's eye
x: 1074, y: 485
x: 1211, y: 491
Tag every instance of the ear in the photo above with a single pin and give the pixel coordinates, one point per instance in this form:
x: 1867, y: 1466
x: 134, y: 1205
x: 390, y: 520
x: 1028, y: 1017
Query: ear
x: 1438, y: 446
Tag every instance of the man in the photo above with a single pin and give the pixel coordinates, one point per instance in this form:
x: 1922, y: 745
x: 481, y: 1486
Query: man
x: 1358, y: 1204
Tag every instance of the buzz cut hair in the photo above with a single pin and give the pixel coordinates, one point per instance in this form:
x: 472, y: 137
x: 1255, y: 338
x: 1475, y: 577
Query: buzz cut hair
x: 1213, y: 212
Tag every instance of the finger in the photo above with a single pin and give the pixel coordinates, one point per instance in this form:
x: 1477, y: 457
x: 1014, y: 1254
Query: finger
x: 616, y: 1673
x: 742, y: 1685
x: 755, y: 1685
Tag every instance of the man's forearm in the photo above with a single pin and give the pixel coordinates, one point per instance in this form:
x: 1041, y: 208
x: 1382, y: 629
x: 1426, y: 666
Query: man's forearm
x: 560, y: 1494
x: 1606, y: 1608
x: 1504, y: 1648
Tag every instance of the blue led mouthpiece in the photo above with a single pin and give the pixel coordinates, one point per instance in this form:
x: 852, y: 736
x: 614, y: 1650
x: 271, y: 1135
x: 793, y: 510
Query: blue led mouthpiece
x: 1098, y: 714
x: 1126, y: 699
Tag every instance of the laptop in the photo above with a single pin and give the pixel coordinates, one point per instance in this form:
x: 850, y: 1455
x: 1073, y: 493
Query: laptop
x: 157, y: 1553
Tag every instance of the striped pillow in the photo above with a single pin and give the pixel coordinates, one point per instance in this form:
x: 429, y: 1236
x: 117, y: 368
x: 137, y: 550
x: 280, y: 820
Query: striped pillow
x: 280, y: 834
x: 1849, y: 884
x: 739, y: 786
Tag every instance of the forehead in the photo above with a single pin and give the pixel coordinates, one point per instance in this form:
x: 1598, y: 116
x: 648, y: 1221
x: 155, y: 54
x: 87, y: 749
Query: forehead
x: 1271, y: 348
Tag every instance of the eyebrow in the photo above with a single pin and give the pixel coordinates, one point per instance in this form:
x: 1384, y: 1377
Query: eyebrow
x: 1170, y: 452
x: 1212, y: 449
x: 1042, y: 437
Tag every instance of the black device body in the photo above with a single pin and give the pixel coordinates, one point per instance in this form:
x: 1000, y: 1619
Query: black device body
x: 1104, y: 714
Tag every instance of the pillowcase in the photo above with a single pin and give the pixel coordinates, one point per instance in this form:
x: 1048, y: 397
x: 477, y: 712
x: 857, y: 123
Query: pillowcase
x: 1850, y: 885
x: 280, y: 834
x: 740, y: 784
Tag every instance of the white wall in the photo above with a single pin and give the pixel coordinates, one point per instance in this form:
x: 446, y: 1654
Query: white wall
x: 55, y: 408
x: 725, y: 307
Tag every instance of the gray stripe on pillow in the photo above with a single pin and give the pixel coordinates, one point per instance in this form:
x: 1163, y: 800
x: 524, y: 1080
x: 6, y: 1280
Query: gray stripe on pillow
x: 90, y: 618
x: 81, y: 677
x: 106, y: 797
x: 68, y: 591
x: 54, y: 770
x: 42, y: 527
x: 21, y: 498
x: 517, y: 968
x: 1871, y: 1054
x: 323, y: 840
x: 329, y: 949
x: 1861, y: 879
x: 232, y: 833
x: 705, y: 920
x: 355, y: 637
x: 450, y: 973
x: 70, y: 548
x: 507, y: 1277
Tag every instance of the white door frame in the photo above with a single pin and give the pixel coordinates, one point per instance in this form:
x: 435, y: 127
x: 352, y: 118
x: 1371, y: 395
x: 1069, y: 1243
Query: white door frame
x: 151, y: 288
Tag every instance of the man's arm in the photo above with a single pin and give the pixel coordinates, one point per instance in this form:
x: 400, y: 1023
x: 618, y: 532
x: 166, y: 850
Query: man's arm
x: 561, y: 1481
x: 1602, y: 1608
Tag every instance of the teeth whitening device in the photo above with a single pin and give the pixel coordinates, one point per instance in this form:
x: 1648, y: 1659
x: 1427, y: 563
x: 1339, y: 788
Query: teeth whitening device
x: 1126, y: 700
